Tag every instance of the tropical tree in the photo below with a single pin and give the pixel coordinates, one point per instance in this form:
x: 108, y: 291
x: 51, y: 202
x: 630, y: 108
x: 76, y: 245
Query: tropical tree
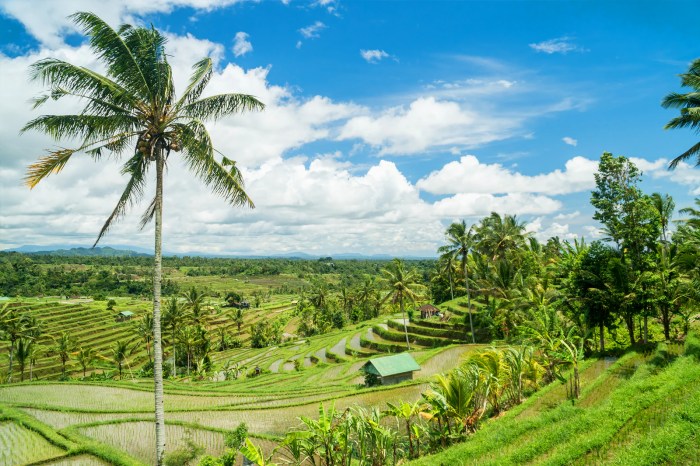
x: 460, y: 242
x: 119, y: 354
x: 62, y: 347
x: 23, y: 352
x: 12, y: 328
x: 86, y: 357
x: 175, y: 314
x: 35, y: 350
x: 133, y: 110
x: 144, y: 330
x: 237, y: 317
x: 403, y: 285
x: 194, y: 303
x: 689, y: 105
x: 664, y: 205
x: 405, y: 412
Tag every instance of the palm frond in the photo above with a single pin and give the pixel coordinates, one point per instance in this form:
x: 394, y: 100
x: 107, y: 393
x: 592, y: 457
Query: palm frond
x: 218, y: 106
x: 90, y: 128
x: 199, y: 155
x: 109, y: 45
x: 65, y: 78
x: 136, y: 167
x: 693, y: 151
x: 198, y: 82
x: 52, y: 163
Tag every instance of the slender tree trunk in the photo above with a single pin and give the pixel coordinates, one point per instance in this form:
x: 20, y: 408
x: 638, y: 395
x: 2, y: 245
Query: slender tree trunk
x: 157, y: 342
x: 452, y: 290
x: 601, y: 329
x: 469, y: 299
x: 405, y: 324
x: 646, y: 330
x: 12, y: 352
x: 174, y: 366
x: 629, y: 320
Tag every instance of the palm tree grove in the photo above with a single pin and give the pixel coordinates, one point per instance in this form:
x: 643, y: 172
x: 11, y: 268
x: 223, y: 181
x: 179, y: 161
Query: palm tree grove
x: 233, y: 233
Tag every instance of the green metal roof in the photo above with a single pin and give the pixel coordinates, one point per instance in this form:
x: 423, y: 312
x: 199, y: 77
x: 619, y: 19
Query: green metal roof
x: 126, y: 313
x: 390, y: 365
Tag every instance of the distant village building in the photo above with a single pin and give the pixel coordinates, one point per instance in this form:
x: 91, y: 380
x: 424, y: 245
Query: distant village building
x: 124, y: 315
x: 428, y: 310
x: 389, y: 370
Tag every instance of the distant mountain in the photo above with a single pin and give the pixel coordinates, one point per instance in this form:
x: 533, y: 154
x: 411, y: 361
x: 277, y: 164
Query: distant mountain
x: 133, y: 251
x: 105, y: 251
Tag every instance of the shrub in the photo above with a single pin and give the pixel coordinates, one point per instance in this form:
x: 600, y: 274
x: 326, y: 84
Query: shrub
x: 692, y: 345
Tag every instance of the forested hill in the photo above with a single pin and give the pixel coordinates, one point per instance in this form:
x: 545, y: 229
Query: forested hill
x: 105, y: 251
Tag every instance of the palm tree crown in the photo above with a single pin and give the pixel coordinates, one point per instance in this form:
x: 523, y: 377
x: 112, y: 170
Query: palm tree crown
x: 132, y: 110
x: 689, y: 105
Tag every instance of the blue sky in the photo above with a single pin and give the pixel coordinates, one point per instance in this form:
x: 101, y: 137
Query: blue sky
x: 385, y: 120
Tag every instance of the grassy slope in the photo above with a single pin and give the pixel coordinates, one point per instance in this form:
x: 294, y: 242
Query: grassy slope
x: 635, y: 412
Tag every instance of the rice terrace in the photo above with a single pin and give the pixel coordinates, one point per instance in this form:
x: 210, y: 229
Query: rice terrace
x: 231, y: 233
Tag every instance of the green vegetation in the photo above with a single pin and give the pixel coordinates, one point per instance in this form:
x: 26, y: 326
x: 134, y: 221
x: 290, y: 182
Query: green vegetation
x: 587, y: 353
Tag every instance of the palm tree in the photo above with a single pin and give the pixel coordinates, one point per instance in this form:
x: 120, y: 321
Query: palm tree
x: 174, y: 315
x: 134, y: 104
x: 689, y: 105
x: 664, y: 205
x: 120, y: 353
x: 12, y: 328
x: 63, y: 347
x: 403, y: 286
x: 500, y: 236
x: 237, y: 317
x: 35, y: 350
x: 194, y: 303
x: 85, y: 357
x: 144, y: 330
x: 460, y: 242
x: 23, y: 352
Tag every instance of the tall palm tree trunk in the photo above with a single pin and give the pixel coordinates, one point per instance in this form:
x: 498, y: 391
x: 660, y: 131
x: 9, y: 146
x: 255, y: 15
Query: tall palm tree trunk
x: 157, y: 342
x: 174, y: 367
x: 405, y: 324
x: 12, y: 352
x: 469, y: 300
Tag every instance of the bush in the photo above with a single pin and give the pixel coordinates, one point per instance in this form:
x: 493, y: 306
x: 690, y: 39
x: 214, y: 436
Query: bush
x: 692, y: 345
x: 184, y: 456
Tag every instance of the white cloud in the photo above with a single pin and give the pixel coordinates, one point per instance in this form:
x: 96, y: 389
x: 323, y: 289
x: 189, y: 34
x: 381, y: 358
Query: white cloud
x: 428, y: 123
x: 312, y: 31
x: 684, y: 174
x: 570, y: 141
x: 241, y: 44
x: 561, y: 45
x: 469, y: 175
x: 373, y: 56
x: 478, y: 204
x: 542, y: 229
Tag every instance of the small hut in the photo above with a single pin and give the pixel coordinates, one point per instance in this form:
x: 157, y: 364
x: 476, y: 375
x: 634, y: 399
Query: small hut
x: 391, y: 369
x: 124, y: 315
x: 428, y: 310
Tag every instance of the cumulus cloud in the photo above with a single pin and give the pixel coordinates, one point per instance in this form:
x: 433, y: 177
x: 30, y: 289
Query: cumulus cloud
x: 241, y: 44
x: 373, y: 56
x: 561, y: 45
x: 428, y: 123
x: 570, y: 141
x: 478, y: 204
x: 684, y: 174
x: 469, y: 175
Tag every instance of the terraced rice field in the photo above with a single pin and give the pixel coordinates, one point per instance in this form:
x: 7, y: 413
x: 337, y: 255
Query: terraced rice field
x: 19, y: 445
